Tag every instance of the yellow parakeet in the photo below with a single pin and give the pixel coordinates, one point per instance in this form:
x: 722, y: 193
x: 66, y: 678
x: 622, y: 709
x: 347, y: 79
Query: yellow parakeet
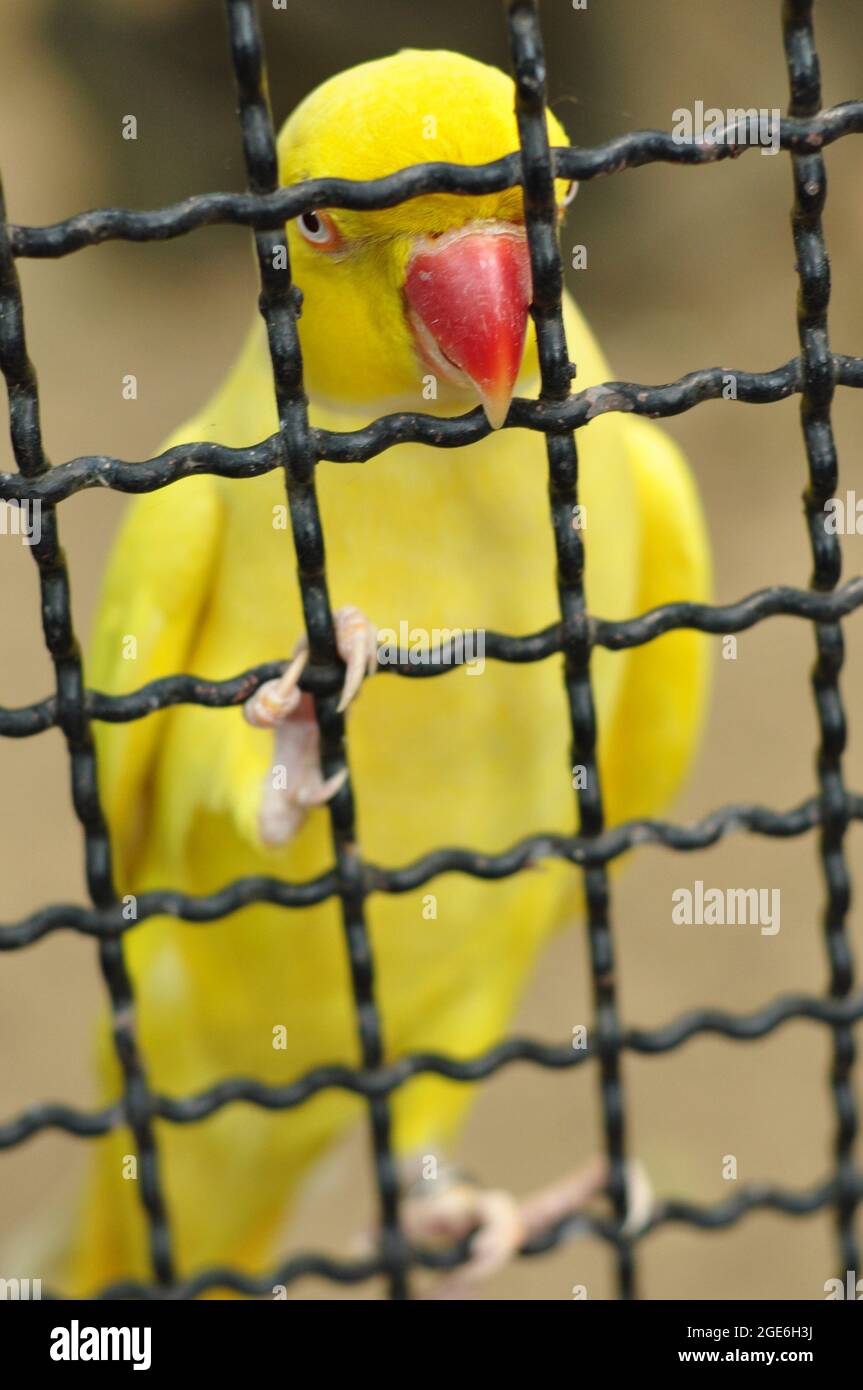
x: 202, y: 577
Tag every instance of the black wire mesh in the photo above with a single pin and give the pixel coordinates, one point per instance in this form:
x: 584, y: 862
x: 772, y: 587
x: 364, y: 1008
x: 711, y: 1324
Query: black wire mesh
x: 297, y: 447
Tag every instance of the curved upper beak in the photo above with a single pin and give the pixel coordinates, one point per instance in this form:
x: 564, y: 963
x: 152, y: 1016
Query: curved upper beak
x: 468, y: 294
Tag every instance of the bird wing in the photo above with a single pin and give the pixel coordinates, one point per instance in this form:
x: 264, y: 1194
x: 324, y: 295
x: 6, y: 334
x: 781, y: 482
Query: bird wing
x: 153, y: 599
x: 654, y: 731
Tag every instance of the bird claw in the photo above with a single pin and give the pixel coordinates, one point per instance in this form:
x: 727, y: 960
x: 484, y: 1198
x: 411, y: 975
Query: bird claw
x: 572, y: 1193
x: 277, y: 700
x: 310, y: 794
x: 640, y: 1198
x: 357, y: 643
x: 501, y: 1224
x: 460, y: 1209
x: 295, y: 784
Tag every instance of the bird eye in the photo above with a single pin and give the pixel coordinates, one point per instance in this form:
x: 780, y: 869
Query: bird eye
x: 318, y: 228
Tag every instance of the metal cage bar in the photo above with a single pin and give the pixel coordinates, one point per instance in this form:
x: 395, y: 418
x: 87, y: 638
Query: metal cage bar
x: 297, y: 448
x: 72, y: 718
x: 813, y: 269
x: 556, y: 372
x: 279, y: 302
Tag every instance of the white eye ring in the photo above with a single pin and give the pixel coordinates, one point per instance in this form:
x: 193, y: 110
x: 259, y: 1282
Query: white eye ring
x: 317, y: 228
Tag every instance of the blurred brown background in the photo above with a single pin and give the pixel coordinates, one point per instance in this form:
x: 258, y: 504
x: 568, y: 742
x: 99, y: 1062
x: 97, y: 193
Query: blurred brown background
x: 687, y: 267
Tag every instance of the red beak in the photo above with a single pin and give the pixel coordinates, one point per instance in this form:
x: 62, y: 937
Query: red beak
x: 468, y: 296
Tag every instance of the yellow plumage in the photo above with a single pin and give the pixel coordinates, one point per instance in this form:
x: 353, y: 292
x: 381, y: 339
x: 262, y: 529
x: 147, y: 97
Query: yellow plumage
x: 205, y: 582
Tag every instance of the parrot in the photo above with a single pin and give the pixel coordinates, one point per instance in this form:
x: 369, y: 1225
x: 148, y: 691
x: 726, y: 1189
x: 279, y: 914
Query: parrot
x: 420, y: 306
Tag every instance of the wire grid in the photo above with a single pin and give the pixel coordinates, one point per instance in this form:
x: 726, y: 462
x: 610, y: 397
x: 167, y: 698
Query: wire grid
x: 297, y: 447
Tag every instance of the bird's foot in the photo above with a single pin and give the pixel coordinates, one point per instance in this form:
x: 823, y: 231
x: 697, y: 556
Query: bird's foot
x: 281, y: 699
x: 295, y: 783
x: 572, y: 1193
x: 453, y: 1208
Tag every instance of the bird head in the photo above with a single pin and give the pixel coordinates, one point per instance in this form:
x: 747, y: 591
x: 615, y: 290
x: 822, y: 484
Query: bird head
x: 427, y: 300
